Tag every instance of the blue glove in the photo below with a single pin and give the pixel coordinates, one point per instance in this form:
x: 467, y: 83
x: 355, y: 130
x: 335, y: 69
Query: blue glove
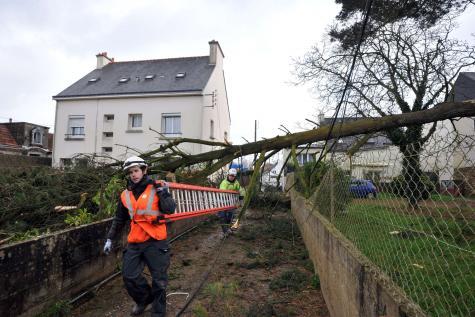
x: 161, y: 186
x: 108, y: 246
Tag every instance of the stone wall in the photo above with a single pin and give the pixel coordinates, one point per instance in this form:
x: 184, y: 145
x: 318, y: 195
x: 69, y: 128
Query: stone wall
x: 351, y: 284
x: 58, y: 266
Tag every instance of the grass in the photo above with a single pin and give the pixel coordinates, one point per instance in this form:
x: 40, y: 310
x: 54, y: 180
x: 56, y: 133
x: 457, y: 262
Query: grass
x: 200, y: 311
x: 58, y: 309
x: 292, y: 279
x: 442, y: 197
x: 219, y: 291
x: 431, y: 259
x: 222, y: 299
x: 433, y: 197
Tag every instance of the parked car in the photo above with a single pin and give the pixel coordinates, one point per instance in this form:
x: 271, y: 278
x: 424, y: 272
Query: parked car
x: 362, y: 188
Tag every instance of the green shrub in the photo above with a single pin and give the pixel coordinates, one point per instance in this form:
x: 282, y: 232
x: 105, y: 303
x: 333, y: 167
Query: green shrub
x: 315, y: 282
x: 107, y: 199
x: 292, y: 279
x: 29, y: 234
x: 306, y: 181
x: 29, y: 195
x: 334, y: 190
x: 400, y: 187
x: 59, y: 309
x: 80, y: 217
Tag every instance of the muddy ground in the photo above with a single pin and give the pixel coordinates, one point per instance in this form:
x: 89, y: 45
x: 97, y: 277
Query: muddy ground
x: 261, y: 270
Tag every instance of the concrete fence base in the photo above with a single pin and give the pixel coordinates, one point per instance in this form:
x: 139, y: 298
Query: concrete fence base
x: 351, y: 284
x: 37, y: 273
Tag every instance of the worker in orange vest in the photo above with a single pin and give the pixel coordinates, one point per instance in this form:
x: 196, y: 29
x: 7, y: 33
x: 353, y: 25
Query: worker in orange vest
x: 141, y: 203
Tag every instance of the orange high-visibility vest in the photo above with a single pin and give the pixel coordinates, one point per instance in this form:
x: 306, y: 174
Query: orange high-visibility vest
x: 143, y: 214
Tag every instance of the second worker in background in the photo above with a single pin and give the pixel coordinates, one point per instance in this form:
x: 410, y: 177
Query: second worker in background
x: 229, y: 183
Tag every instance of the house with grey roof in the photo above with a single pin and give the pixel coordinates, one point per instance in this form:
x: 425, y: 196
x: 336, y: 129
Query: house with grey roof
x: 139, y: 105
x: 25, y: 138
x: 464, y: 155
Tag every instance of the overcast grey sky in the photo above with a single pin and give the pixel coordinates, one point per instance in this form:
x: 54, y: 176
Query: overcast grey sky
x: 46, y: 45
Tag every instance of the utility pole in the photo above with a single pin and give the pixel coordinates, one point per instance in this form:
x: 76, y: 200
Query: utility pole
x: 255, y: 137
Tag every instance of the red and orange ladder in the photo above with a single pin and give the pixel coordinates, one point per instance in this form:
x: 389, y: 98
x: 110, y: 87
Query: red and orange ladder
x: 194, y: 201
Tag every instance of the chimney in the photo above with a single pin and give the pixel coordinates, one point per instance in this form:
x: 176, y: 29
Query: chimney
x: 321, y: 119
x: 10, y: 120
x: 215, y: 52
x: 103, y: 60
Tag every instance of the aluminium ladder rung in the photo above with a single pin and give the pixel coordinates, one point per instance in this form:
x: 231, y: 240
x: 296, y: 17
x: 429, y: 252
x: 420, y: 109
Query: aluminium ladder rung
x: 193, y: 201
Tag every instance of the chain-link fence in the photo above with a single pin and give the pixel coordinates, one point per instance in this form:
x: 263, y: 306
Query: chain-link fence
x: 411, y: 210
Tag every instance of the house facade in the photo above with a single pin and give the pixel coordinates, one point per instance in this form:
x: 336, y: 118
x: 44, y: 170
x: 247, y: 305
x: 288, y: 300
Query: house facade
x: 121, y: 107
x: 24, y: 138
x: 464, y: 154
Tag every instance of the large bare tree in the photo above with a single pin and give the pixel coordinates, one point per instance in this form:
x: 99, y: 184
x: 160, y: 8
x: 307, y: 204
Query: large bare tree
x: 401, y: 68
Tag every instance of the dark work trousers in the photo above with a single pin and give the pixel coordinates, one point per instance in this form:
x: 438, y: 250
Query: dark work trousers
x: 226, y: 218
x: 155, y: 254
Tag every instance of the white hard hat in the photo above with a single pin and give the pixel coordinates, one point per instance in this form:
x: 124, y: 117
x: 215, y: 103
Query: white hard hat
x: 133, y: 161
x: 232, y: 171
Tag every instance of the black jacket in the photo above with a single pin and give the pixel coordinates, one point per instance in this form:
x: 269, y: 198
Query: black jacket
x: 166, y: 202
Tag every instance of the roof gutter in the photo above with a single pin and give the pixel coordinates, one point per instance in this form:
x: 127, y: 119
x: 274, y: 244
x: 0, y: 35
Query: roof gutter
x: 132, y: 95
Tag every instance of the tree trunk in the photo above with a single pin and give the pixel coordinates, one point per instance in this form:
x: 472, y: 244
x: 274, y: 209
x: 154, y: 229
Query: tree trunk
x: 442, y: 111
x: 414, y: 187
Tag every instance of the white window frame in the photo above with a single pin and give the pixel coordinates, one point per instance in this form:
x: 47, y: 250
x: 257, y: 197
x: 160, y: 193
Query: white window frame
x: 304, y: 158
x: 76, y: 130
x: 133, y: 118
x: 171, y: 118
x: 36, y: 132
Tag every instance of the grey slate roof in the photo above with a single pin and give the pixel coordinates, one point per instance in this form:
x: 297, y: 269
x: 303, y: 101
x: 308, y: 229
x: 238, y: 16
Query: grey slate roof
x: 465, y: 86
x: 197, y: 71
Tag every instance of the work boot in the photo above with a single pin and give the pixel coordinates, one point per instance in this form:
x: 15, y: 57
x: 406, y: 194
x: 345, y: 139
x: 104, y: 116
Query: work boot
x: 139, y: 309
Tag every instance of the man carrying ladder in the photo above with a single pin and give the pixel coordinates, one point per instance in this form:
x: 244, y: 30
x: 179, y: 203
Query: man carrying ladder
x: 148, y: 205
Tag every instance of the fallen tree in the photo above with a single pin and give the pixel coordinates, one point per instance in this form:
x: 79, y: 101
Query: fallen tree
x: 66, y: 189
x: 443, y: 111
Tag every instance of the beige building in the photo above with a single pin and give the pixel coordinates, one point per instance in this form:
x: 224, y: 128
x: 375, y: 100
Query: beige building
x: 140, y: 104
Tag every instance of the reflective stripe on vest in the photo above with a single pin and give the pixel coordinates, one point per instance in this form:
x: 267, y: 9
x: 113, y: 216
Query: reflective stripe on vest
x: 128, y: 204
x: 143, y: 212
x: 140, y: 212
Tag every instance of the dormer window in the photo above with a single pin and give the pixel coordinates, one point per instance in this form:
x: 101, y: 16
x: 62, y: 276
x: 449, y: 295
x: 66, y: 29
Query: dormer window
x: 180, y: 75
x: 149, y: 77
x: 36, y: 136
x: 93, y: 80
x: 124, y: 80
